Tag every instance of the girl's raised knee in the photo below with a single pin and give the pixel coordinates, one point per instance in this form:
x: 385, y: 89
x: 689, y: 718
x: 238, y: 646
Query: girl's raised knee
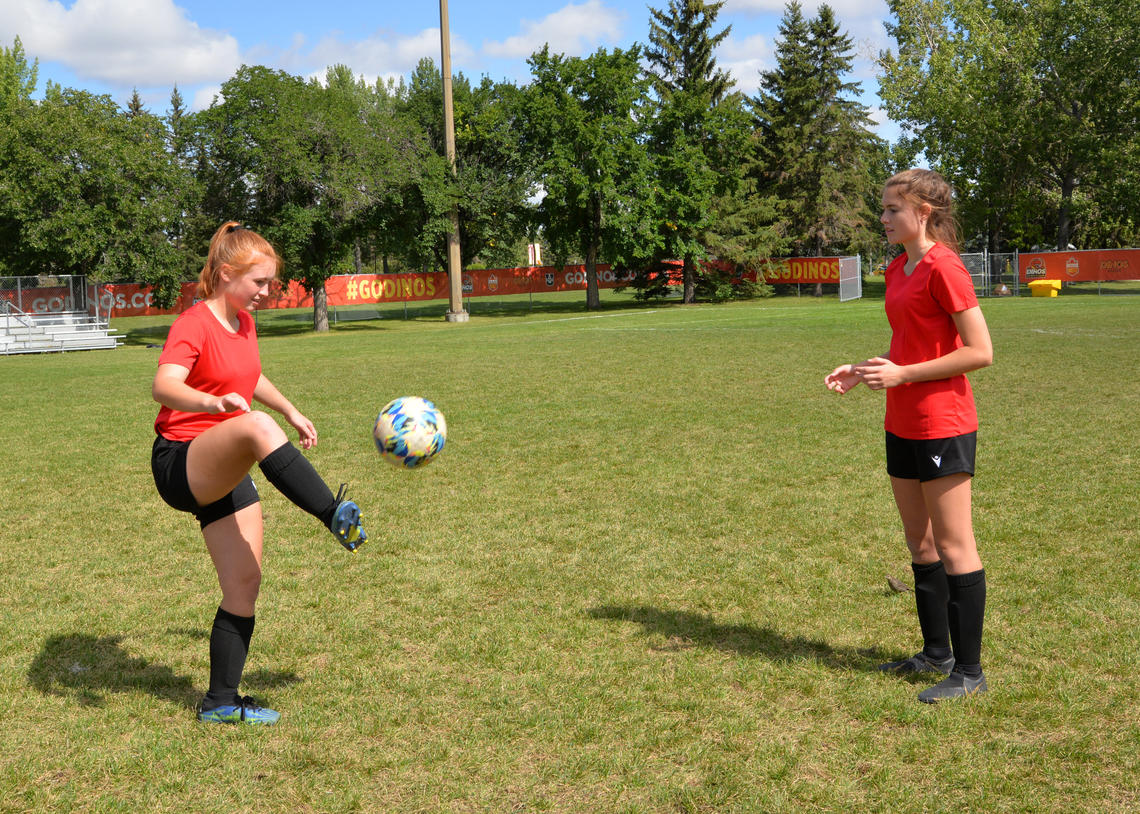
x: 265, y: 432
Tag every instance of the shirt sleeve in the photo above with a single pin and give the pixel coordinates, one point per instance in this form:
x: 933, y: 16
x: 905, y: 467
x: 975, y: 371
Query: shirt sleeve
x: 951, y: 284
x: 183, y: 344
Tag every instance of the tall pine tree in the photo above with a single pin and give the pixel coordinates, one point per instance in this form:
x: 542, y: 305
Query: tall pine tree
x: 699, y: 133
x: 843, y: 143
x: 816, y: 151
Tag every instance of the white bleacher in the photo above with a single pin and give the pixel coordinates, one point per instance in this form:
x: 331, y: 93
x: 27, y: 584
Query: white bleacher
x: 53, y: 333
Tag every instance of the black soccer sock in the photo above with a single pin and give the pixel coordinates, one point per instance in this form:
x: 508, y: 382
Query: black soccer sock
x: 931, y: 594
x: 293, y: 476
x: 229, y: 646
x: 967, y: 610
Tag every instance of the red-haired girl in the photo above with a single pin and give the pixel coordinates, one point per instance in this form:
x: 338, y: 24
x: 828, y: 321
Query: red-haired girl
x: 209, y: 437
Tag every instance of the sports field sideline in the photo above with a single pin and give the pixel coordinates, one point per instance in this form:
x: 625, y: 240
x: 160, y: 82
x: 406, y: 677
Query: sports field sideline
x: 647, y: 574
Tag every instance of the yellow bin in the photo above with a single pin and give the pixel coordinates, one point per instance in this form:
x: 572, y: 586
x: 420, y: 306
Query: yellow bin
x: 1045, y: 288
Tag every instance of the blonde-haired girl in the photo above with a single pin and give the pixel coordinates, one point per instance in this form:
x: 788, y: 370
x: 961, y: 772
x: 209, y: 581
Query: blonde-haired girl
x: 938, y: 335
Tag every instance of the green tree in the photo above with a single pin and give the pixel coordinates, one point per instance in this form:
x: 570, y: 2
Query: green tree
x: 492, y: 180
x: 783, y: 108
x: 17, y: 77
x: 181, y: 145
x: 699, y: 133
x: 817, y: 151
x: 584, y: 128
x: 305, y: 163
x: 1024, y: 105
x: 86, y: 189
x: 135, y: 105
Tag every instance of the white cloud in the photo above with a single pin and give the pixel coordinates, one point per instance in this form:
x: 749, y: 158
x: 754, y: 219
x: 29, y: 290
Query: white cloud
x: 381, y: 55
x: 144, y: 43
x: 744, y: 59
x: 204, y: 96
x: 574, y: 30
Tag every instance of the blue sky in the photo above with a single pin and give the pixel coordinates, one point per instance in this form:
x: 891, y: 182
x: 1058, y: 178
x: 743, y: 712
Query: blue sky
x: 115, y: 46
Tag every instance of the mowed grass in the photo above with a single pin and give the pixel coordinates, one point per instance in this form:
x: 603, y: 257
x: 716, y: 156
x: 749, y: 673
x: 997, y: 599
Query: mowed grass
x: 647, y: 574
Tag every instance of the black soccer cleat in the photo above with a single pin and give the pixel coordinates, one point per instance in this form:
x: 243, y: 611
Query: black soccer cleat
x: 955, y: 685
x: 919, y: 663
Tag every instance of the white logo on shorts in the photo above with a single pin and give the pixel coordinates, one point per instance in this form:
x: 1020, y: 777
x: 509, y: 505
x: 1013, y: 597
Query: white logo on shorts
x: 937, y: 460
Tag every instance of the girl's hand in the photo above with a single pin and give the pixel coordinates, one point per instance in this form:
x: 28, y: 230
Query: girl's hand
x: 880, y: 373
x: 842, y: 379
x: 230, y: 403
x: 304, y: 427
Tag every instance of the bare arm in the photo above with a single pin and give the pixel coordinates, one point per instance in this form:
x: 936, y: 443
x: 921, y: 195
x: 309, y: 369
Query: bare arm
x: 976, y: 352
x: 170, y: 390
x: 268, y: 394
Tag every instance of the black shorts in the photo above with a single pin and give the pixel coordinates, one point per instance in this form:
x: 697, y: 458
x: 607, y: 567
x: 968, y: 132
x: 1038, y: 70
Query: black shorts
x: 168, y: 464
x: 930, y: 458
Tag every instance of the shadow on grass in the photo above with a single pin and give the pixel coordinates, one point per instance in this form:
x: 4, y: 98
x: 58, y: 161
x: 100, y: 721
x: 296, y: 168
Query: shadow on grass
x: 683, y: 629
x: 88, y: 667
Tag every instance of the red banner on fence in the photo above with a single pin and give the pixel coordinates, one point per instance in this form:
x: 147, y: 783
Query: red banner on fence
x: 788, y: 270
x: 133, y: 299
x: 802, y: 270
x: 1102, y: 265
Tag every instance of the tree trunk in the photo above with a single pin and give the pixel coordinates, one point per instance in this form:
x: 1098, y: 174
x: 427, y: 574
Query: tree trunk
x: 320, y: 309
x: 1065, y: 213
x: 593, y: 300
x: 689, y: 281
x: 356, y: 257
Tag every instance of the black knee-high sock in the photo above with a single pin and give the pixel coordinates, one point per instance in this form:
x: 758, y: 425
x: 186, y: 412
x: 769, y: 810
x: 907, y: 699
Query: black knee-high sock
x: 229, y: 646
x: 967, y: 609
x: 292, y: 474
x: 931, y: 594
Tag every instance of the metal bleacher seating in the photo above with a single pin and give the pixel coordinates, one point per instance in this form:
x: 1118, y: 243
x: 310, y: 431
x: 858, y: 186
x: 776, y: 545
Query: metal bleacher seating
x: 21, y: 332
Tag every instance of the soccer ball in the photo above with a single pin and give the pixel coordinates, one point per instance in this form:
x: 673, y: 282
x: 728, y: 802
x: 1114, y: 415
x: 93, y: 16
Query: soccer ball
x: 409, y: 431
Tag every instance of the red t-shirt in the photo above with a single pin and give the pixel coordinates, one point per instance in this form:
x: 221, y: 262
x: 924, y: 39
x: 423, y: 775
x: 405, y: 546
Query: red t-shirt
x: 919, y: 308
x: 220, y: 361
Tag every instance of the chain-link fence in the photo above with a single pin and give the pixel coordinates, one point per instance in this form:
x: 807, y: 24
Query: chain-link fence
x: 47, y: 294
x: 850, y: 278
x: 994, y: 273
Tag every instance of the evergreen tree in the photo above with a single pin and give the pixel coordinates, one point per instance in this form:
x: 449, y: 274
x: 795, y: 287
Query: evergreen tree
x: 817, y: 154
x: 842, y: 144
x: 176, y: 124
x: 783, y: 109
x: 681, y: 52
x: 194, y: 221
x: 699, y: 135
x: 135, y: 106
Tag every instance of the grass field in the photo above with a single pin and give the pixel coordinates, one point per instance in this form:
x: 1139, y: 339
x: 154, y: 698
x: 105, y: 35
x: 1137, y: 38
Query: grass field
x: 647, y: 574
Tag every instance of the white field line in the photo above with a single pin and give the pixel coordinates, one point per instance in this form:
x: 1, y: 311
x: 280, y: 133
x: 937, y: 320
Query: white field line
x: 590, y: 316
x: 734, y: 317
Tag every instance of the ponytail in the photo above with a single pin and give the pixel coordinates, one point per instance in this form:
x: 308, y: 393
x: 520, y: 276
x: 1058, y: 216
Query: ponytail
x: 237, y: 247
x: 928, y: 187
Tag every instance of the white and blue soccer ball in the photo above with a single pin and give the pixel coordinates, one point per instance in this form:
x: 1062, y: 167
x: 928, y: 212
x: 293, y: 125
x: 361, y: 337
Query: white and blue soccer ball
x: 409, y: 431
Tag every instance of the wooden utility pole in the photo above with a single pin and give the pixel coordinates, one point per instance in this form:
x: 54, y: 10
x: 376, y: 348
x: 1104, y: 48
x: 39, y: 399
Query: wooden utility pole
x: 455, y: 312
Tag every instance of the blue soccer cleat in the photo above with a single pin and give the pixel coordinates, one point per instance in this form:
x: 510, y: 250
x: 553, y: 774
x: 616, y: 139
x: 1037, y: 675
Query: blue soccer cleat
x: 245, y: 711
x: 345, y: 524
